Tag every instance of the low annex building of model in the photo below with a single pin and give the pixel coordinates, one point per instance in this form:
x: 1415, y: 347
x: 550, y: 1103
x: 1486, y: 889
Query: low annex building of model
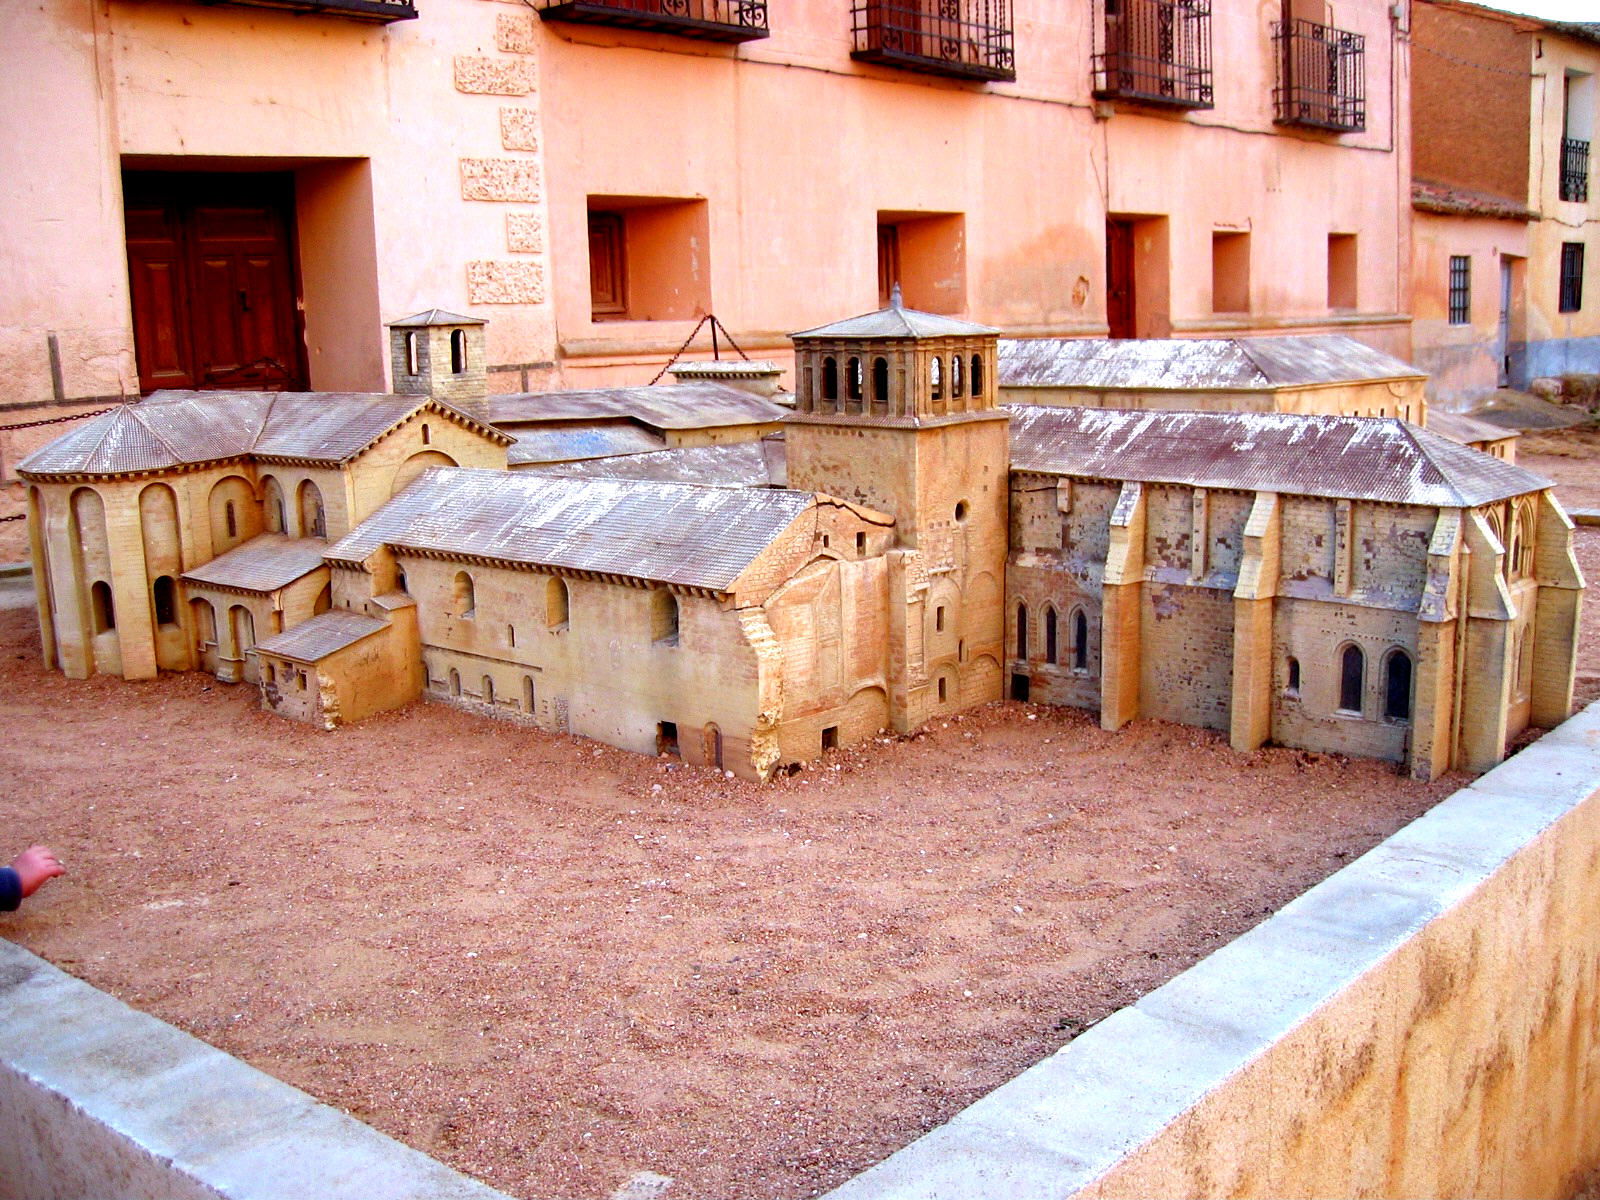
x: 1347, y: 584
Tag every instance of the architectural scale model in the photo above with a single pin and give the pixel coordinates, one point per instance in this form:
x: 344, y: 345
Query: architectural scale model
x: 1340, y: 583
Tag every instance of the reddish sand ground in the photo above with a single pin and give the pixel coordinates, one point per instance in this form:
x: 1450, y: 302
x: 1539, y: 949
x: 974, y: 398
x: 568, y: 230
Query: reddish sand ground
x: 555, y: 965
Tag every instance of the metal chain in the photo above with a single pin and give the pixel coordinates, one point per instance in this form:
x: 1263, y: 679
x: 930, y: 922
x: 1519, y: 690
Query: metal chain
x: 716, y: 326
x: 99, y: 412
x: 15, y: 517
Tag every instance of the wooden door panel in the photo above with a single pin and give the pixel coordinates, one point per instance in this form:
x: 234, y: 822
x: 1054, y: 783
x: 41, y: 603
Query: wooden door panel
x: 212, y: 280
x: 1120, y: 303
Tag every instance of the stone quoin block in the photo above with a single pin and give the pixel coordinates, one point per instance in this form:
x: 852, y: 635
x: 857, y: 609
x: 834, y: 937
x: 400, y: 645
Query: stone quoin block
x: 519, y: 128
x: 490, y: 282
x: 514, y: 32
x: 524, y: 233
x: 481, y: 76
x: 508, y: 180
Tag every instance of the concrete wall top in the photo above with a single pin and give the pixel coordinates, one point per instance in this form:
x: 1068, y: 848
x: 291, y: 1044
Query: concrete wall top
x: 101, y: 1100
x: 1065, y: 1125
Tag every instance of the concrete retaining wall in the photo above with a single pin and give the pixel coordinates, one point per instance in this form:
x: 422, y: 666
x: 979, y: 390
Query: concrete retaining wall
x: 1421, y: 1023
x: 97, y: 1100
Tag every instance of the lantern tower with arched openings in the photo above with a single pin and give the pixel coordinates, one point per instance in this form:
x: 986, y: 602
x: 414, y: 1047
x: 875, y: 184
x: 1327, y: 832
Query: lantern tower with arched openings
x: 896, y: 410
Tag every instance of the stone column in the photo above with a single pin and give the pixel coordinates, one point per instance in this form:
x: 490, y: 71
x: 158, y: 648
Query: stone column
x: 1555, y: 619
x: 1250, y: 705
x: 1120, y: 623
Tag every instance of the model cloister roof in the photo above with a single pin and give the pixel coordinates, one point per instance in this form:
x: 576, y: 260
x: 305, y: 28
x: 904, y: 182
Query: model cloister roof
x: 738, y: 464
x: 570, y: 441
x: 321, y: 635
x: 1357, y: 458
x: 172, y: 428
x: 1196, y: 364
x: 265, y: 563
x: 673, y: 406
x: 666, y: 532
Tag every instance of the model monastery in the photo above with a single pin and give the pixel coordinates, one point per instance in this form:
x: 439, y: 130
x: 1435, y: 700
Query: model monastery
x: 1319, y: 572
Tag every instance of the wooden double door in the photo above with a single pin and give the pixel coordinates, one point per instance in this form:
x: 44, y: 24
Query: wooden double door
x: 211, y: 269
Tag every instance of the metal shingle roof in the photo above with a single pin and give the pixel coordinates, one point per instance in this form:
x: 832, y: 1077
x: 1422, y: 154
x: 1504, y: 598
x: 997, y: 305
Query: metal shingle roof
x: 435, y: 316
x: 315, y: 639
x: 742, y: 464
x: 1191, y: 364
x: 571, y: 441
x: 675, y: 406
x: 172, y: 428
x: 265, y: 563
x: 1357, y: 458
x: 897, y: 322
x: 673, y: 533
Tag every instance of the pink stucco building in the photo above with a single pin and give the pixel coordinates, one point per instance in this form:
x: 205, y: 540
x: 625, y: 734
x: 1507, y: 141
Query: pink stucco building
x: 231, y: 195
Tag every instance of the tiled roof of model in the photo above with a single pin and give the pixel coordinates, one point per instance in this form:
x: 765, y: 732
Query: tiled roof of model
x: 173, y: 428
x: 897, y: 321
x: 320, y: 636
x: 435, y: 316
x: 742, y: 464
x: 1459, y: 427
x: 263, y: 564
x: 568, y: 441
x: 672, y: 406
x: 1195, y: 364
x: 1357, y: 458
x: 673, y: 533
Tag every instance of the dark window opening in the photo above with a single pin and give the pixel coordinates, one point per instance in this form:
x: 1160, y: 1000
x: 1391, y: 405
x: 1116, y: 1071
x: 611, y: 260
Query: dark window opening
x: 231, y: 519
x: 941, y: 691
x: 1019, y: 687
x: 455, y: 682
x: 955, y: 375
x: 1050, y: 635
x: 413, y: 362
x: 528, y: 694
x: 977, y: 374
x: 663, y: 618
x: 426, y: 437
x: 830, y: 379
x: 1352, y: 678
x: 164, y: 593
x: 938, y: 619
x: 861, y: 543
x: 1460, y: 289
x: 458, y: 353
x: 1022, y: 631
x: 1080, y: 641
x: 488, y: 690
x: 852, y: 379
x: 1571, y: 276
x: 667, y: 738
x: 880, y: 385
x: 104, y: 608
x: 936, y: 379
x: 1293, y: 687
x: 961, y: 511
x: 1397, y: 688
x: 830, y: 738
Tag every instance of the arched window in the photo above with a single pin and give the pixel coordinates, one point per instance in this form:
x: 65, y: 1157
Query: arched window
x: 205, y: 621
x: 103, y: 608
x: 272, y: 503
x: 455, y: 682
x: 1352, y: 678
x: 1080, y: 641
x: 663, y: 617
x: 164, y: 594
x: 324, y: 600
x: 936, y: 378
x: 528, y: 695
x: 232, y: 519
x: 955, y: 375
x: 458, y: 351
x: 1397, y: 687
x: 713, y: 736
x: 463, y: 597
x: 556, y: 604
x: 830, y: 379
x: 1022, y: 631
x: 269, y: 673
x: 427, y: 435
x: 852, y: 378
x: 399, y: 578
x: 977, y: 374
x: 312, y: 521
x: 488, y: 690
x: 942, y: 692
x: 511, y: 636
x: 412, y: 365
x: 880, y: 385
x: 1293, y: 687
x: 1050, y: 635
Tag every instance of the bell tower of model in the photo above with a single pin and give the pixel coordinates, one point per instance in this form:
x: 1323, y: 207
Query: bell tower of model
x: 896, y: 410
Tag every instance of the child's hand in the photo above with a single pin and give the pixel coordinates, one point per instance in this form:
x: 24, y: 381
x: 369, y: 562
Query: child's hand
x: 35, y: 866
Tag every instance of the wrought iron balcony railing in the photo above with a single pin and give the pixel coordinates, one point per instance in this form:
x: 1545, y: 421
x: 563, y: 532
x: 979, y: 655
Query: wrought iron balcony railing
x: 1574, y: 170
x: 966, y: 39
x: 708, y: 20
x: 361, y: 10
x: 1155, y: 52
x: 1322, y: 77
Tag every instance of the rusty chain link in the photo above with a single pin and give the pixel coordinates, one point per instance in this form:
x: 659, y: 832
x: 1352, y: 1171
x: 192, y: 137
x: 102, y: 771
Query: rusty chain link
x: 99, y: 412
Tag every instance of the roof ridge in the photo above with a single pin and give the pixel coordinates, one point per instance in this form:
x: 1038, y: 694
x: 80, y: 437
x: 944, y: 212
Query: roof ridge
x: 145, y: 425
x: 1242, y: 345
x: 267, y: 414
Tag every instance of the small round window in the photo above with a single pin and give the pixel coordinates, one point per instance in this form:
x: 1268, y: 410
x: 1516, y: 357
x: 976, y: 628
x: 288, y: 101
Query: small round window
x: 961, y: 510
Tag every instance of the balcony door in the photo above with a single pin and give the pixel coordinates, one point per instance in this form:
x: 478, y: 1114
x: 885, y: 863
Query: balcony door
x: 1121, y: 298
x: 211, y: 273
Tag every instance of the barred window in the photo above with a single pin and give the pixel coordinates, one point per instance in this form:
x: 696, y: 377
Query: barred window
x: 1571, y: 276
x: 1460, y: 289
